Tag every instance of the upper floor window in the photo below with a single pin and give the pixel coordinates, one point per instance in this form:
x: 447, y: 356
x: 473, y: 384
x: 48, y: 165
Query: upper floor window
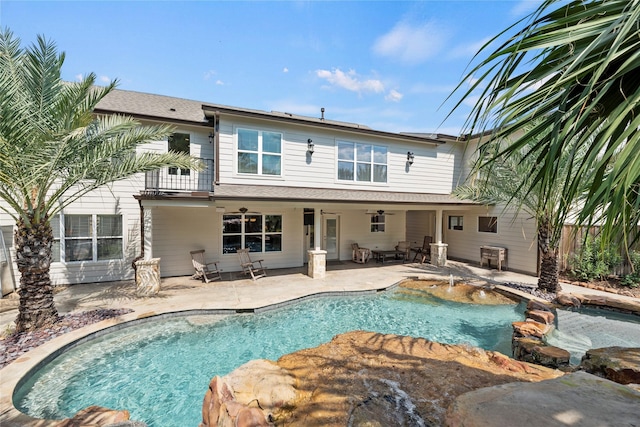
x: 259, y: 233
x: 179, y: 143
x: 87, y: 238
x: 488, y: 224
x: 362, y: 162
x: 455, y: 222
x: 259, y: 152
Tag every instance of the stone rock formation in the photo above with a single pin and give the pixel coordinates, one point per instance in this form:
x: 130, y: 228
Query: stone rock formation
x: 577, y: 399
x: 618, y: 364
x: 361, y: 378
x: 97, y: 416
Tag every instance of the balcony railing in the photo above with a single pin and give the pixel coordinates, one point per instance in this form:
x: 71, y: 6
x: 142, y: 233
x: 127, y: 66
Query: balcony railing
x: 180, y: 180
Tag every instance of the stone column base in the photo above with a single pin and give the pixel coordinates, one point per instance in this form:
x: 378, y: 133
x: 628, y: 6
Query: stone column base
x: 439, y: 254
x: 148, y: 277
x: 317, y: 264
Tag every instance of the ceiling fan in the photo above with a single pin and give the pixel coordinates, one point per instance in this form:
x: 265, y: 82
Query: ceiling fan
x: 244, y: 210
x: 379, y: 212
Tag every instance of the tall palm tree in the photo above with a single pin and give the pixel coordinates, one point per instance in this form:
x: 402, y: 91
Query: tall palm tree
x: 574, y: 69
x: 510, y: 181
x: 53, y: 150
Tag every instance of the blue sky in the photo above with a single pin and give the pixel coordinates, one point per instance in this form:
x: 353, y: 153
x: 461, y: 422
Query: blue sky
x: 386, y: 64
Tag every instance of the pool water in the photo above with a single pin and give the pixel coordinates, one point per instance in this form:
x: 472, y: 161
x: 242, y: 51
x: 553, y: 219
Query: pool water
x: 583, y: 329
x: 160, y: 370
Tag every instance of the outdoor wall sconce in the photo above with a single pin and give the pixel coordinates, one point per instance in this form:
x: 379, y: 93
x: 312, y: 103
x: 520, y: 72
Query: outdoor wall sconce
x: 243, y: 210
x: 310, y: 146
x: 410, y: 157
x: 210, y: 137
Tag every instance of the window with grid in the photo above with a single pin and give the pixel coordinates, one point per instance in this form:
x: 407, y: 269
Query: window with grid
x: 362, y: 162
x: 259, y: 152
x: 87, y: 238
x: 377, y: 223
x: 259, y: 233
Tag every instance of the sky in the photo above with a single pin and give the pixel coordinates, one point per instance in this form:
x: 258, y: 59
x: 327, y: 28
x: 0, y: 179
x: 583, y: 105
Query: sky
x: 389, y: 65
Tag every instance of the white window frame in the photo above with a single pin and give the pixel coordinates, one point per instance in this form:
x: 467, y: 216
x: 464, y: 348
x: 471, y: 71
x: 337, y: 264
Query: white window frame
x: 60, y: 238
x: 378, y: 224
x: 259, y: 152
x: 354, y: 161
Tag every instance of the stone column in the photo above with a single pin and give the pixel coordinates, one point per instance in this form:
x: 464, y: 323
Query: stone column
x: 439, y: 254
x: 148, y: 277
x: 317, y: 263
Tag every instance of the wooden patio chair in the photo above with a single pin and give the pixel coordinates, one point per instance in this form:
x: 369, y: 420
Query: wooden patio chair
x: 360, y: 255
x: 254, y: 268
x: 204, y: 270
x: 424, y: 251
x: 404, y: 248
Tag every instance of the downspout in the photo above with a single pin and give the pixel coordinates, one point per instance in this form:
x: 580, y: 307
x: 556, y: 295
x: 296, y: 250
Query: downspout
x: 216, y: 148
x: 141, y: 256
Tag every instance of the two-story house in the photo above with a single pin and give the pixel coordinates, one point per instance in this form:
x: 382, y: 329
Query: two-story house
x: 280, y: 184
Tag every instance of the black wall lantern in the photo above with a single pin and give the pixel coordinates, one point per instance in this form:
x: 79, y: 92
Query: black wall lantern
x: 410, y: 157
x: 310, y: 146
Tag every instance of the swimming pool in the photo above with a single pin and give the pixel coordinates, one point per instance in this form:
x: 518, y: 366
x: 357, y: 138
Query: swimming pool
x: 160, y: 370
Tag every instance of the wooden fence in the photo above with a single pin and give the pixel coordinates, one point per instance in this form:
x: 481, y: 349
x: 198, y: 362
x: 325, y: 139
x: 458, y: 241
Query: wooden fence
x: 572, y: 240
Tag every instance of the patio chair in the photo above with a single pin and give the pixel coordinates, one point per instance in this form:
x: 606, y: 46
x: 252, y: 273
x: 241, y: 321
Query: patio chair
x: 254, y: 268
x: 404, y: 247
x: 203, y: 269
x: 360, y: 255
x: 424, y: 251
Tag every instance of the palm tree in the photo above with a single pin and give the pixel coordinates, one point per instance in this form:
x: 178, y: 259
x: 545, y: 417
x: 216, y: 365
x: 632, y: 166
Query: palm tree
x: 53, y: 150
x: 510, y: 181
x: 574, y: 69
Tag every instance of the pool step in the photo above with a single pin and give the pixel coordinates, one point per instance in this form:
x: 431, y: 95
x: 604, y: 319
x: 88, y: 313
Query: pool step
x: 415, y: 295
x: 578, y: 332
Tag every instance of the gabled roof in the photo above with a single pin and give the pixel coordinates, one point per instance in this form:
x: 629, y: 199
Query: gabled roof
x: 211, y: 110
x: 178, y: 110
x: 151, y: 106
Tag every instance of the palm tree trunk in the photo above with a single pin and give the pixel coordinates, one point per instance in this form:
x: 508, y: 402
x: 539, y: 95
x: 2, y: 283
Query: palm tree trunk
x: 548, y: 280
x: 33, y: 256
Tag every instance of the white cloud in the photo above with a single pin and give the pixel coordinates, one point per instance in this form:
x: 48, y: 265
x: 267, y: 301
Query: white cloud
x: 524, y: 7
x: 394, y: 96
x: 350, y: 81
x: 467, y: 50
x: 105, y: 79
x: 219, y: 83
x: 412, y: 44
x: 285, y: 70
x: 209, y: 74
x: 79, y: 77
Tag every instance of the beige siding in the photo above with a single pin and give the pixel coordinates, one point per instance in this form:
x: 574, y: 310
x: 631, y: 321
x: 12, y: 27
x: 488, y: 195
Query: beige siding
x: 420, y: 224
x: 355, y: 227
x: 436, y: 169
x: 517, y: 236
x: 179, y: 230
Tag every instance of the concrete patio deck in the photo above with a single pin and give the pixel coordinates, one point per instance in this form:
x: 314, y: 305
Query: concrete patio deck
x: 234, y: 292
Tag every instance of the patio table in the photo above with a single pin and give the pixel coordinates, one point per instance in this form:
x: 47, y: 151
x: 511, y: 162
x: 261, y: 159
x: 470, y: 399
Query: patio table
x: 381, y: 256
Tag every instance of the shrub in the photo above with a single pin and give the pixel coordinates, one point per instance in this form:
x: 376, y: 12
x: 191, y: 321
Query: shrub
x: 594, y: 261
x: 632, y: 280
